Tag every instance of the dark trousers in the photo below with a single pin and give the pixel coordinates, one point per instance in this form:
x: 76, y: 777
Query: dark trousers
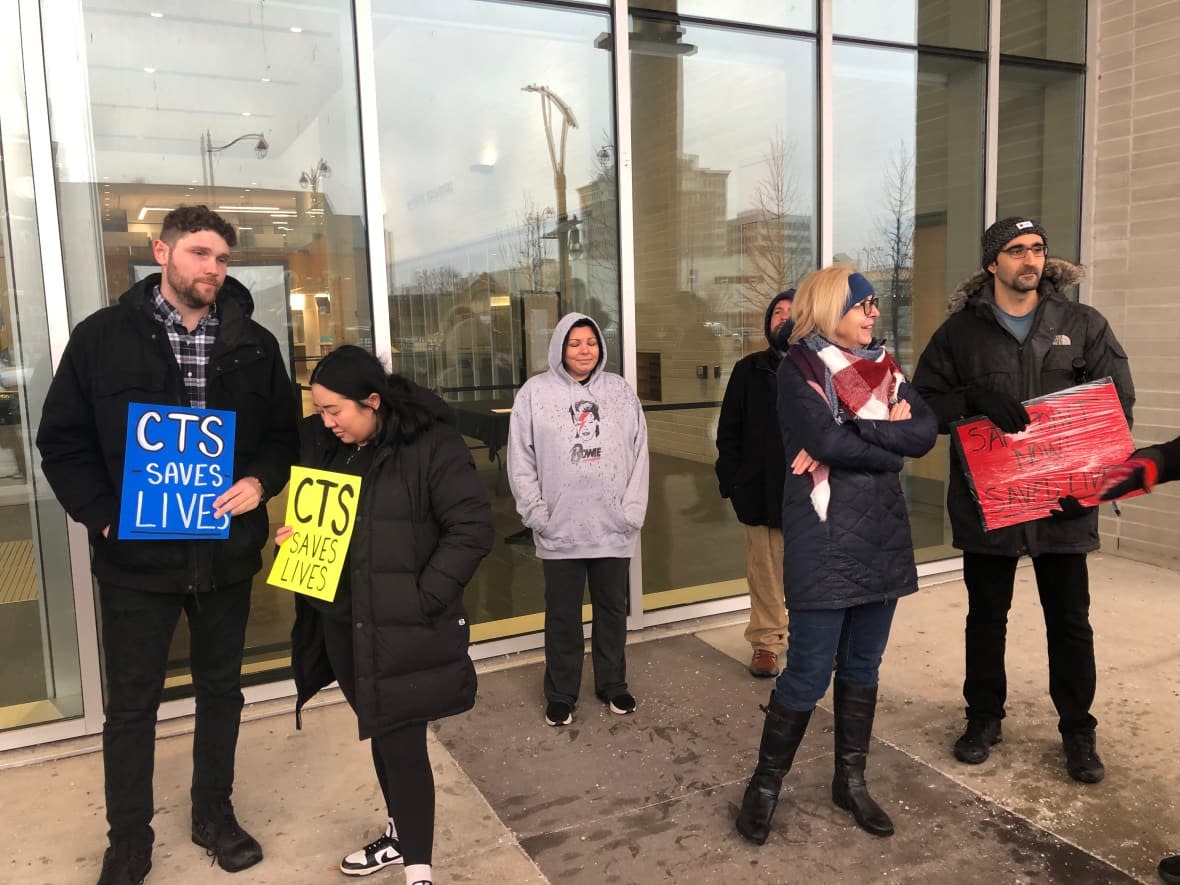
x: 400, y: 758
x: 565, y: 581
x: 137, y: 630
x: 1063, y: 584
x: 852, y: 640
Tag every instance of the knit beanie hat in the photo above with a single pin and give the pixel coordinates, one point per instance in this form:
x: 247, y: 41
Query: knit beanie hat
x: 859, y: 289
x: 1003, y: 232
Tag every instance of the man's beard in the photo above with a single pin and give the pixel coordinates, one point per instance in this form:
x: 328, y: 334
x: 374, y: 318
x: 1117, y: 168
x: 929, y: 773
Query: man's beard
x: 780, y: 337
x: 1019, y: 285
x: 186, y: 292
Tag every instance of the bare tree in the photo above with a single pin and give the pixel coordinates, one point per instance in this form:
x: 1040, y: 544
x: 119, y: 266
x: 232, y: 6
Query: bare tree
x: 892, y: 261
x: 524, y: 246
x: 779, y: 252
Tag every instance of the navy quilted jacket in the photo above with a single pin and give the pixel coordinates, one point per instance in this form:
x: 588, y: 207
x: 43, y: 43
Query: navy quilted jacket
x: 863, y: 551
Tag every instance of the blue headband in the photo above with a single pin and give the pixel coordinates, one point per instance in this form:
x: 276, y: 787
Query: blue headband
x: 858, y: 290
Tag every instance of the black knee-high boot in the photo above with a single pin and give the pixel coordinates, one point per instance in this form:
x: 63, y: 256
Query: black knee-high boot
x: 781, y: 734
x: 855, y: 706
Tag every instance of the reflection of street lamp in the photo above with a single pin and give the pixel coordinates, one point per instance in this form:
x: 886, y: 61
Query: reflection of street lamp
x: 312, y: 178
x: 549, y: 101
x: 260, y: 149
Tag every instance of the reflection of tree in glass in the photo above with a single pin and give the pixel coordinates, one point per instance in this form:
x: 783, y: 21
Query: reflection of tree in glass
x: 891, y: 262
x: 777, y: 243
x: 524, y: 247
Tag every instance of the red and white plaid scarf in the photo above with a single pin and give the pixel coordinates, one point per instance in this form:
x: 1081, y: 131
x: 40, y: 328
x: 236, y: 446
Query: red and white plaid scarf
x: 865, y: 382
x: 866, y: 385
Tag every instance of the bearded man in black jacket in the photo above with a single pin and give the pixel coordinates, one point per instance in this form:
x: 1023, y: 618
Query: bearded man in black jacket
x: 183, y: 338
x: 1012, y: 335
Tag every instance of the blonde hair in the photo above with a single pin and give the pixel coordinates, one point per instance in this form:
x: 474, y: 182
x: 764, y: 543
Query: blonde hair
x: 819, y: 302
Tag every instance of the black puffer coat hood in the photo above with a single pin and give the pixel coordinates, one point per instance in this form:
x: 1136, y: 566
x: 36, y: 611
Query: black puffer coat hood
x: 1058, y: 275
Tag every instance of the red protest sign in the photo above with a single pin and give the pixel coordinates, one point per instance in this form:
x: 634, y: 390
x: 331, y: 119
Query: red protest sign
x: 1017, y: 477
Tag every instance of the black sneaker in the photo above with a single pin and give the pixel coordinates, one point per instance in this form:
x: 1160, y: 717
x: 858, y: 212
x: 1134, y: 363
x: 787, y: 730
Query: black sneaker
x: 124, y: 864
x: 1081, y: 757
x: 559, y: 713
x: 378, y: 855
x: 621, y: 704
x: 974, y: 746
x: 222, y: 837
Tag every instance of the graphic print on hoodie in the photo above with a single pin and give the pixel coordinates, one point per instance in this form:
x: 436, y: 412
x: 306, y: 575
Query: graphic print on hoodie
x: 577, y: 457
x: 586, y: 430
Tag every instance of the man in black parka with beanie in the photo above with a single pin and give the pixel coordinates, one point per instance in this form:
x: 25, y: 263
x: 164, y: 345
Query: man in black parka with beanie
x: 1012, y: 335
x: 183, y: 337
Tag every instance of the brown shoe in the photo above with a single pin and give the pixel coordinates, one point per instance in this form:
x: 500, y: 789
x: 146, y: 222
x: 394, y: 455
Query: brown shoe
x: 764, y: 664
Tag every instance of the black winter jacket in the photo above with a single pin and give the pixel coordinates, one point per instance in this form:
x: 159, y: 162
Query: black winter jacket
x: 863, y: 552
x: 750, y: 465
x: 423, y: 525
x: 119, y: 355
x: 972, y: 348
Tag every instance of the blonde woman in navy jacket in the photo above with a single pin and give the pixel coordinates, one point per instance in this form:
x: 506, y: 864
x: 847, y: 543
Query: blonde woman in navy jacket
x: 849, y: 420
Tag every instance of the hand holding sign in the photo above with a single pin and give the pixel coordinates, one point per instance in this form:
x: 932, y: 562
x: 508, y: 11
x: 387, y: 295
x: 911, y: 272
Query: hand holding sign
x: 242, y: 497
x: 321, y: 513
x: 1055, y: 466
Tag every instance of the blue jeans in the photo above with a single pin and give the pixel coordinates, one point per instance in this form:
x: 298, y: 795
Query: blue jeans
x: 854, y: 637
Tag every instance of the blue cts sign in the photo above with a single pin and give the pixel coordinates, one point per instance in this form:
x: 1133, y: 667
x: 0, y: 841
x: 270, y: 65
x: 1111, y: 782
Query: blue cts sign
x: 179, y: 459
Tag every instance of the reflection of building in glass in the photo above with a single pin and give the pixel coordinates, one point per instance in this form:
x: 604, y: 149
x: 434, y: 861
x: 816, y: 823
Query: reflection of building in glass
x: 703, y: 208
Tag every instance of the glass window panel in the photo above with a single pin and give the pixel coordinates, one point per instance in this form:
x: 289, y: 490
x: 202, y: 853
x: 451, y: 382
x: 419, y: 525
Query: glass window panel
x: 954, y: 23
x: 798, y: 14
x: 910, y: 220
x: 1040, y: 153
x: 1053, y: 29
x: 501, y: 214
x: 250, y: 109
x: 725, y: 202
x: 38, y: 632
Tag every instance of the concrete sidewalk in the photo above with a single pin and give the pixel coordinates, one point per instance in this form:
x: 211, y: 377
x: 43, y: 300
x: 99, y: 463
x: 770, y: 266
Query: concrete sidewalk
x: 651, y: 797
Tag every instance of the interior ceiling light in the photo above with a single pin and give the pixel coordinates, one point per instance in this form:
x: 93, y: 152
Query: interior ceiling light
x: 295, y: 30
x: 146, y: 209
x: 254, y: 209
x: 149, y: 70
x: 156, y: 14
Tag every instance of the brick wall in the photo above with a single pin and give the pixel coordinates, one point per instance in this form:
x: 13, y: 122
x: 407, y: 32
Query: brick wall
x: 1135, y: 246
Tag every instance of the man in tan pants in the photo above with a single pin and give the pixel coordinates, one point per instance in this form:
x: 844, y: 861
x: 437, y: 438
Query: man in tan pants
x: 751, y: 469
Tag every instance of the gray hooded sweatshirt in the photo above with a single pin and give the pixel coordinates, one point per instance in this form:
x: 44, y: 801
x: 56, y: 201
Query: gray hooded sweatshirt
x: 577, y: 458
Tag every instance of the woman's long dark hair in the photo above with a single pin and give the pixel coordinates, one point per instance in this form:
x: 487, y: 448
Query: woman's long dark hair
x: 353, y: 372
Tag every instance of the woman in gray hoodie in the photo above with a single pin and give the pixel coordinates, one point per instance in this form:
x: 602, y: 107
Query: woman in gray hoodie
x: 577, y: 465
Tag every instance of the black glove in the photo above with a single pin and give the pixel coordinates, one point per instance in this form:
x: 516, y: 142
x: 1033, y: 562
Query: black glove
x: 1005, y: 411
x: 1071, y: 508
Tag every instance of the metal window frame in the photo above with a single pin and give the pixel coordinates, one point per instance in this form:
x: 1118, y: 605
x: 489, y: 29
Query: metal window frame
x: 52, y: 260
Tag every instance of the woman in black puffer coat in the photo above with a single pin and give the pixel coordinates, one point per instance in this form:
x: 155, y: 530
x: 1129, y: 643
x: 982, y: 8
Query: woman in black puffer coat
x: 395, y: 636
x: 848, y: 419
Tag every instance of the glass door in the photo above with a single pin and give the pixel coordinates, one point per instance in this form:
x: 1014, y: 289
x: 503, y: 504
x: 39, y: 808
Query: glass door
x: 38, y: 636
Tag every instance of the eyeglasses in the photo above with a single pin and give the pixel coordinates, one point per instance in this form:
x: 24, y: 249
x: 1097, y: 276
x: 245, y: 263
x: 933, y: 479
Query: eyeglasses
x: 1036, y: 249
x: 870, y: 303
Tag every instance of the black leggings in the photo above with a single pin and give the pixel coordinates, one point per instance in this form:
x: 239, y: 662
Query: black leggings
x: 399, y: 758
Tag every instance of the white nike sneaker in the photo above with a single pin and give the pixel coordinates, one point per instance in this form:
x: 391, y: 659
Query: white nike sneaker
x: 374, y: 856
